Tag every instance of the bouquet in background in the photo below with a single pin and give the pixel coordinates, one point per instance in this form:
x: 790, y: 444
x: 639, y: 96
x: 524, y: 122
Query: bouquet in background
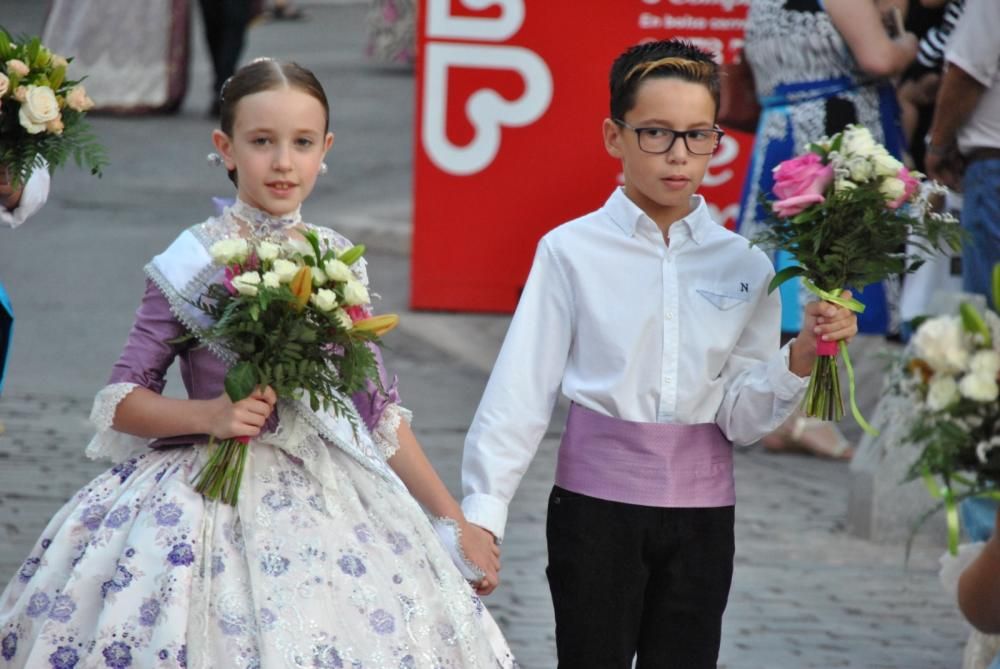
x: 952, y: 376
x: 42, y: 112
x: 845, y: 210
x: 294, y: 317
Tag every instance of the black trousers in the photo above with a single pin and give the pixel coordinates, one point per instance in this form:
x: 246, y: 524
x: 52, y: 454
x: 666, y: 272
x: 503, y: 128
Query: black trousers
x: 225, y: 27
x: 631, y: 580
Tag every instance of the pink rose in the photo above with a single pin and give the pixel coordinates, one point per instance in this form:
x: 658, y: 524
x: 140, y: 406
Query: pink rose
x: 796, y: 204
x: 357, y: 313
x: 804, y: 174
x: 910, y: 184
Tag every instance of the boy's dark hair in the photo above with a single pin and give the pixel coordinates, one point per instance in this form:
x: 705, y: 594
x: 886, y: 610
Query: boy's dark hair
x: 264, y: 74
x: 666, y: 58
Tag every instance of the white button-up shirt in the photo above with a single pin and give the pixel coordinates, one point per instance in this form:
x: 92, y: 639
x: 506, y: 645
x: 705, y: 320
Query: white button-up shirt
x: 632, y: 328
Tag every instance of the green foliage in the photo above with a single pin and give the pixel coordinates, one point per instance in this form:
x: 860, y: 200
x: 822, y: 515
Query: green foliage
x: 853, y: 239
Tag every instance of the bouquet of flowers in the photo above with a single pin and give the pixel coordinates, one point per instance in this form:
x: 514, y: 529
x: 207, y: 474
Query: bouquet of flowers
x: 42, y: 112
x: 845, y: 209
x: 295, y: 317
x: 952, y: 377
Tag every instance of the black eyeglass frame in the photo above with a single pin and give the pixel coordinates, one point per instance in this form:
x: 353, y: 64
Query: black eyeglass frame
x: 719, y: 134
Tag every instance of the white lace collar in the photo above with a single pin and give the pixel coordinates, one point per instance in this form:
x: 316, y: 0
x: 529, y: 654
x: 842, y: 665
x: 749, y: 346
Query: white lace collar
x: 262, y: 225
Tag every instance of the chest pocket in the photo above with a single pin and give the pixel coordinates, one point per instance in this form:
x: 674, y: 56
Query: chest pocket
x: 727, y: 296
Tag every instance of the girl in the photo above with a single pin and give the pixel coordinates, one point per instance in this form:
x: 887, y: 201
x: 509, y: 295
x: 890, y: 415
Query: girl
x: 326, y: 560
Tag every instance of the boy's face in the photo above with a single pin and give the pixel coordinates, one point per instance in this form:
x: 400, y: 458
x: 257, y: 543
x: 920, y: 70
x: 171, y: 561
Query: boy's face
x: 662, y: 184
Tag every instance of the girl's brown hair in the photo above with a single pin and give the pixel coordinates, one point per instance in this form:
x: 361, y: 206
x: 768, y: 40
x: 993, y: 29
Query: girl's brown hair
x: 265, y: 74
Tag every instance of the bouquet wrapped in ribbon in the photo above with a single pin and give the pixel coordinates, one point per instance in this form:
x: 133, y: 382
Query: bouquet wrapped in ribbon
x: 845, y: 209
x: 42, y: 112
x: 294, y: 317
x: 951, y: 374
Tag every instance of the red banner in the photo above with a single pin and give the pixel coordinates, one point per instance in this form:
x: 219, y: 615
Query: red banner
x: 511, y: 96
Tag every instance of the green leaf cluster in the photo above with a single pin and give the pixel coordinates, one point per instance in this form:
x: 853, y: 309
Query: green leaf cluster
x: 853, y: 239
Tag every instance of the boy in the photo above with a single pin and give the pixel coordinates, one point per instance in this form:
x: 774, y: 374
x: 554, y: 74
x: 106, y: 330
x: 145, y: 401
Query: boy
x: 657, y: 324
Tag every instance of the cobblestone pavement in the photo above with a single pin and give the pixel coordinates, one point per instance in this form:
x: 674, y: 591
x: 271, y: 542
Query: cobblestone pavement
x: 805, y: 593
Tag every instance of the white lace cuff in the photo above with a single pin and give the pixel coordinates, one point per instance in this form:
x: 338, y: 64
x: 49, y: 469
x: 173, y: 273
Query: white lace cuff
x: 386, y: 432
x: 109, y: 443
x: 450, y: 535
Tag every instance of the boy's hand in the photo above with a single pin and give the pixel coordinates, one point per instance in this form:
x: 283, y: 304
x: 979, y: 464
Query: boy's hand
x: 821, y: 321
x: 480, y: 547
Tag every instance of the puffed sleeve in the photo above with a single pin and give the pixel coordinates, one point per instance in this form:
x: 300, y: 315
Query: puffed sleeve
x: 143, y: 363
x: 380, y: 408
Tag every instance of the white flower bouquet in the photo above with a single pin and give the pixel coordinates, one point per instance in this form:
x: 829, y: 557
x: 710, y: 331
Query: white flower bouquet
x: 295, y: 317
x: 42, y: 112
x: 952, y: 376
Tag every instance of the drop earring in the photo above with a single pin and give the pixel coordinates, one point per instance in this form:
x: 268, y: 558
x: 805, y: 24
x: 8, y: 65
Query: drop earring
x: 323, y: 169
x: 214, y: 159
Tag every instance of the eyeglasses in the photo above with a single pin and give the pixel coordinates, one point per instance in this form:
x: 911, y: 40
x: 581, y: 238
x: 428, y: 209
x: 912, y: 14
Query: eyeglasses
x: 698, y: 142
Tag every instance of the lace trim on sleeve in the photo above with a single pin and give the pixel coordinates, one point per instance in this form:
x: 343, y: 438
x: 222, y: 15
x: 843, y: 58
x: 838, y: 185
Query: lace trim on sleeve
x: 386, y: 433
x: 109, y: 443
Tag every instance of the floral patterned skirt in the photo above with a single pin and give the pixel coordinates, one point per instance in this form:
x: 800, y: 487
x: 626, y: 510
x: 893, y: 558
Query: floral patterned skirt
x: 138, y: 570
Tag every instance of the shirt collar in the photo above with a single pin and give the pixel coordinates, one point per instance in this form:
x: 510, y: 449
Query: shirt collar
x: 626, y: 214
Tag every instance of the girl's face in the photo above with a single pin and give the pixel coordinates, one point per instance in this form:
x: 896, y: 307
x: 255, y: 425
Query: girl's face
x: 276, y: 148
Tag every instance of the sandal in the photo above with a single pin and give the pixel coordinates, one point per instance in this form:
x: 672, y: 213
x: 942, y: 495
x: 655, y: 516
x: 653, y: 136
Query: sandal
x: 797, y: 439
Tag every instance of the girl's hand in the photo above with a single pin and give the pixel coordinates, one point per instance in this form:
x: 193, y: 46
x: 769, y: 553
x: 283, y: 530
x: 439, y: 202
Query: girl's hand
x: 245, y: 418
x: 481, y: 548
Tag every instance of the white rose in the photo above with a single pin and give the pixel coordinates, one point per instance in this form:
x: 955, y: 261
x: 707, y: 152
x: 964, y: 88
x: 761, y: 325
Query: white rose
x: 942, y: 392
x: 4, y: 84
x: 892, y: 188
x: 285, y: 270
x: 345, y: 321
x: 984, y: 447
x: 940, y: 342
x: 39, y: 107
x: 324, y: 299
x: 355, y: 293
x: 338, y: 271
x: 229, y: 250
x: 986, y: 363
x: 268, y: 251
x: 18, y: 67
x: 319, y: 277
x: 270, y: 280
x: 841, y: 185
x: 59, y: 61
x: 858, y: 141
x: 860, y: 168
x: 885, y: 165
x: 299, y: 246
x: 247, y: 283
x: 77, y: 99
x: 979, y: 387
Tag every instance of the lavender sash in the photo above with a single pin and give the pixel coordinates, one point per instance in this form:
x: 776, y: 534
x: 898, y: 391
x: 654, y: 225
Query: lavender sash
x: 651, y: 464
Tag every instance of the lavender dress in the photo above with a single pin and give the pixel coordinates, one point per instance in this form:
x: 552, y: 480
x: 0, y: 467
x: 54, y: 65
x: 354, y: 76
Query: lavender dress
x: 326, y: 560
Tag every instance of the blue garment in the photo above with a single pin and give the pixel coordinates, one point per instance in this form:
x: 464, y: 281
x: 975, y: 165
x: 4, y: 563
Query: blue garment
x: 6, y: 332
x: 809, y: 86
x: 981, y: 220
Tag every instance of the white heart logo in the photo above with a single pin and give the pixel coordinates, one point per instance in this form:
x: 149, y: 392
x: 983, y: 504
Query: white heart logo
x: 486, y: 110
x: 440, y: 22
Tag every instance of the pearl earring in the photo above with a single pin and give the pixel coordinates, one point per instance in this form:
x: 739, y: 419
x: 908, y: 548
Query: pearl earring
x: 214, y: 159
x: 323, y: 169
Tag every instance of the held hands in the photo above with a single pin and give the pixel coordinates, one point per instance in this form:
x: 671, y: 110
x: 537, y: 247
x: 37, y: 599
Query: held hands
x: 821, y: 321
x: 245, y: 418
x: 481, y: 548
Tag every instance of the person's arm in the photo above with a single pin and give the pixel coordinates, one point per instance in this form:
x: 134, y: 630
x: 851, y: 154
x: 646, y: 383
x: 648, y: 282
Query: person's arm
x: 517, y: 404
x: 957, y: 97
x: 979, y: 587
x: 141, y: 369
x: 820, y: 320
x: 859, y: 23
x: 18, y: 204
x: 418, y: 474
